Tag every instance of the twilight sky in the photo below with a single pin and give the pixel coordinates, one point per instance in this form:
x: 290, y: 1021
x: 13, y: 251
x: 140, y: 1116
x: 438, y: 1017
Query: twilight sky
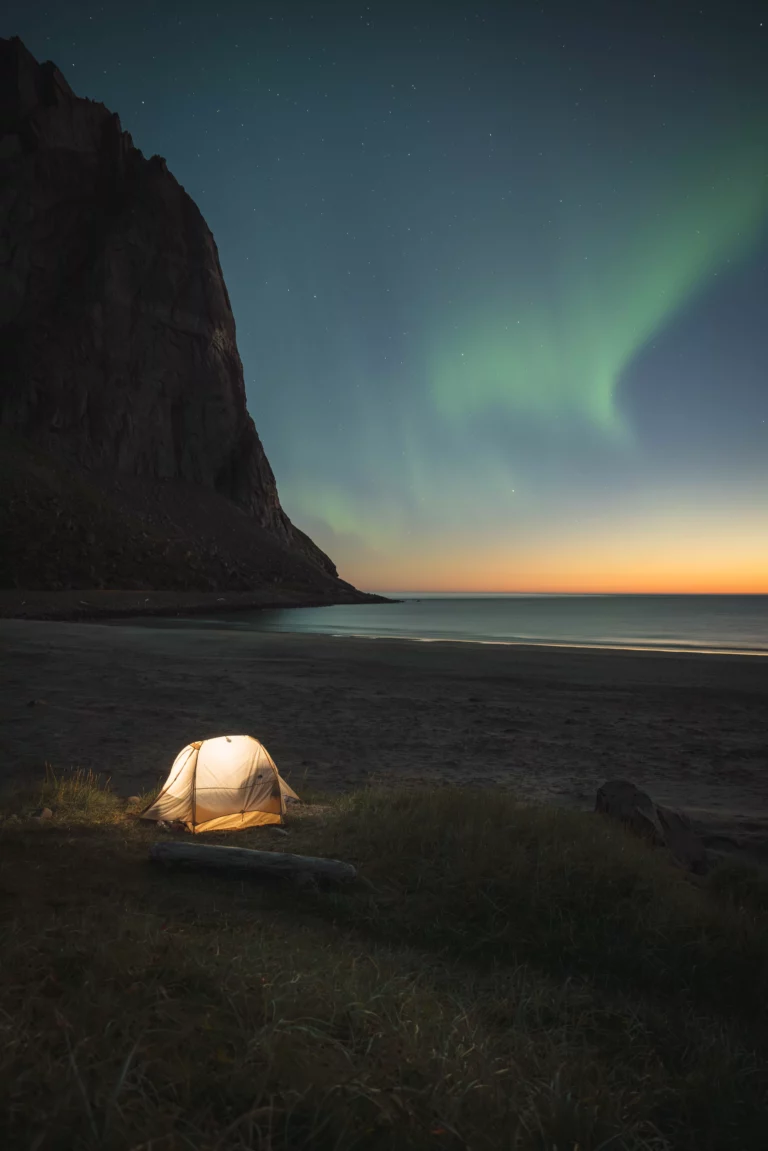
x: 499, y: 270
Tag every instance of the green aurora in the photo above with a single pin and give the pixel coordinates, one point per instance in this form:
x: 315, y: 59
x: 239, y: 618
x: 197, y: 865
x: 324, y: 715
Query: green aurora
x: 551, y: 358
x: 563, y: 353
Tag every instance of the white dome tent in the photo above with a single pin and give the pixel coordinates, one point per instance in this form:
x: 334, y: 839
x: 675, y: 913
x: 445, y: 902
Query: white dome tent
x: 222, y: 784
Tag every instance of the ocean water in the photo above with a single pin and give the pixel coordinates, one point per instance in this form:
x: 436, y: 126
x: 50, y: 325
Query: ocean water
x: 700, y: 623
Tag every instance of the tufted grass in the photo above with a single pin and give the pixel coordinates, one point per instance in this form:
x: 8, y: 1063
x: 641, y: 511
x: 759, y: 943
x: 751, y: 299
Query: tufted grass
x: 507, y: 977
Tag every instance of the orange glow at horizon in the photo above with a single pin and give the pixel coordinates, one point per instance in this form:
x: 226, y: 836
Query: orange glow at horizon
x: 645, y: 558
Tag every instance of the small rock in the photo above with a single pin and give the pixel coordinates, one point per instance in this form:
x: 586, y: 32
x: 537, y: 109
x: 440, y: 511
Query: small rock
x: 682, y: 840
x: 631, y: 806
x: 661, y: 825
x: 42, y: 813
x: 133, y: 800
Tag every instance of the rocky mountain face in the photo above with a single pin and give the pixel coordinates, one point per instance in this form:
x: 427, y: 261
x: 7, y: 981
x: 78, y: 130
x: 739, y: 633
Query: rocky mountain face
x: 118, y: 358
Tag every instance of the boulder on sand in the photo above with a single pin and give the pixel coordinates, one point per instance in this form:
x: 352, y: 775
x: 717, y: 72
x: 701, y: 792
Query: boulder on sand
x: 660, y: 825
x: 680, y: 838
x: 632, y: 806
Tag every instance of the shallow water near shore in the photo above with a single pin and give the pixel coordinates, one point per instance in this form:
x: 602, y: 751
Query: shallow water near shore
x: 717, y: 624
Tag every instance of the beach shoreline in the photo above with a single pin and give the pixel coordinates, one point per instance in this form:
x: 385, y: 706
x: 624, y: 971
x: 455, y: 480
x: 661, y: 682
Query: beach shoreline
x: 551, y: 723
x: 759, y: 653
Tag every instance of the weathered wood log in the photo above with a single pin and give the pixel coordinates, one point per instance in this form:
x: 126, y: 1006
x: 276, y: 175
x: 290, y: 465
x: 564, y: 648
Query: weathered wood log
x: 245, y: 861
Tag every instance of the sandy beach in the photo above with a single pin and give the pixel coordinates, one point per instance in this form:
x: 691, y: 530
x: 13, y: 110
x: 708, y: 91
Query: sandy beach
x: 550, y: 723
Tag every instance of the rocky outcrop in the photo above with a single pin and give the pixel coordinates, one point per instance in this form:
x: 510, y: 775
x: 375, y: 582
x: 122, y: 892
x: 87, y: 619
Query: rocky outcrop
x: 661, y: 826
x: 117, y: 341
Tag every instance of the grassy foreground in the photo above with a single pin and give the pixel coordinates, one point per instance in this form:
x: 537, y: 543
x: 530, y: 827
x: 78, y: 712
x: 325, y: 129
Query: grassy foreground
x: 508, y: 977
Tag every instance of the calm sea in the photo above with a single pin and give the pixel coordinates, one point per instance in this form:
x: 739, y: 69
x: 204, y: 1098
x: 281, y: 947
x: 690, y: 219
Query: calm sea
x: 703, y: 623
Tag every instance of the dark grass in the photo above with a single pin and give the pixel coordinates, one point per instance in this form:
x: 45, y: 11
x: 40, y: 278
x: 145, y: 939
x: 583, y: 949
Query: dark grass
x: 514, y: 977
x: 487, y: 878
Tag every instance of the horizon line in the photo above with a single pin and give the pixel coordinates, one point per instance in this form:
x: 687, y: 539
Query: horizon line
x: 477, y: 592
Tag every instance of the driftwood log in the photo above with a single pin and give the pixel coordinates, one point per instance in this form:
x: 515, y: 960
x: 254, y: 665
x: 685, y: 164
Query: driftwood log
x: 244, y: 861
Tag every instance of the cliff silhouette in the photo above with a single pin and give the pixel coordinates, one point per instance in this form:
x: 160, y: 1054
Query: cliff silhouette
x: 128, y: 457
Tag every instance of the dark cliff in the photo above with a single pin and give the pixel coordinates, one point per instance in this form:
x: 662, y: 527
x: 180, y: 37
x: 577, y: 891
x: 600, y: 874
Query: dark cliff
x: 122, y: 400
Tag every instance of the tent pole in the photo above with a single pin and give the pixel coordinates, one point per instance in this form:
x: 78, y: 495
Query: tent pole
x: 194, y: 791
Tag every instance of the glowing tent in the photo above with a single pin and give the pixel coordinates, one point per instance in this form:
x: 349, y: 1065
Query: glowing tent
x: 222, y: 784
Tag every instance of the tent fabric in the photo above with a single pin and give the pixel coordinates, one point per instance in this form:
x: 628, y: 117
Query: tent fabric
x: 222, y: 784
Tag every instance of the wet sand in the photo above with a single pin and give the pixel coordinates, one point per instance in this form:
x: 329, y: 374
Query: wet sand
x: 550, y: 723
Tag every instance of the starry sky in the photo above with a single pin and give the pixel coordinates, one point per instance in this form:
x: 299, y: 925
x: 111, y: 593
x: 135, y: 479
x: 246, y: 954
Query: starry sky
x: 499, y: 270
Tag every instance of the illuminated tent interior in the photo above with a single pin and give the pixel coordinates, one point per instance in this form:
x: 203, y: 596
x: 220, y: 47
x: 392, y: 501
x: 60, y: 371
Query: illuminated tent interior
x: 222, y: 784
